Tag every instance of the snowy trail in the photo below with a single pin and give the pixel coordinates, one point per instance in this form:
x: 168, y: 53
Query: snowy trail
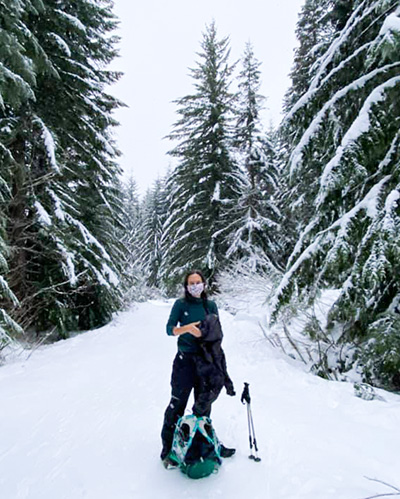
x: 81, y: 419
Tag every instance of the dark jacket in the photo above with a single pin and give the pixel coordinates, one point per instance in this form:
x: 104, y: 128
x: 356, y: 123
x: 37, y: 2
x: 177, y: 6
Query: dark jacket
x: 212, y: 361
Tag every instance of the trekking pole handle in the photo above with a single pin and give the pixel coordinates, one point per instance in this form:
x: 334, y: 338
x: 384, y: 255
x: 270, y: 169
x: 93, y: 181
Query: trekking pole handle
x: 246, y: 394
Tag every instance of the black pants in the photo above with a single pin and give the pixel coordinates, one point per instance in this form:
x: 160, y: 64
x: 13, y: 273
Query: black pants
x: 184, y: 378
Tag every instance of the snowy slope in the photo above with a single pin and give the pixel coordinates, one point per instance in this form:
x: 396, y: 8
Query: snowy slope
x: 81, y: 419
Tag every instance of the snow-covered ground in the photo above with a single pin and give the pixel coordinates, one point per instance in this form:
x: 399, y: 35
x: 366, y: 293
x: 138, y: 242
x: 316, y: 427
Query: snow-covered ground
x: 81, y: 419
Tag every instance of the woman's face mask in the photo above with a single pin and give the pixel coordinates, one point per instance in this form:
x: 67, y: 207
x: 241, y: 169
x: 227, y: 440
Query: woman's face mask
x: 196, y: 289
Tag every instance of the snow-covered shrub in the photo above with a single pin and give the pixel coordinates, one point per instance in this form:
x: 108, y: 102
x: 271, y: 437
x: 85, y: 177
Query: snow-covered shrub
x: 380, y: 356
x: 242, y: 287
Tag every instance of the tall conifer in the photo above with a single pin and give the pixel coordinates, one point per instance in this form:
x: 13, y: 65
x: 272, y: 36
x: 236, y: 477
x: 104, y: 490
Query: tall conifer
x: 21, y: 57
x: 344, y: 183
x: 132, y: 272
x: 63, y: 213
x: 203, y: 188
x: 153, y: 210
x: 253, y: 235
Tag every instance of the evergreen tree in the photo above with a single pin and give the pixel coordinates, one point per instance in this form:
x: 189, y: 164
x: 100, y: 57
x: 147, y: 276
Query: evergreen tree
x: 131, y: 210
x: 130, y: 237
x: 20, y: 58
x: 344, y: 184
x: 203, y: 188
x: 63, y: 215
x: 256, y: 214
x: 314, y: 32
x: 153, y: 218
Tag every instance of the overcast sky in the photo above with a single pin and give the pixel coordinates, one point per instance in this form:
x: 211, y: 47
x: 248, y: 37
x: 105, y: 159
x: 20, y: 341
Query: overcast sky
x: 160, y: 39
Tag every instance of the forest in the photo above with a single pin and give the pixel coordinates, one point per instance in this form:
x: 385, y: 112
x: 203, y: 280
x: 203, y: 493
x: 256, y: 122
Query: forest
x: 311, y: 205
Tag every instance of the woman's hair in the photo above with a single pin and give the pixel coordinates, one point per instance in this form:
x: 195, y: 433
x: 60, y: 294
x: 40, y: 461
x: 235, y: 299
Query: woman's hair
x: 188, y: 296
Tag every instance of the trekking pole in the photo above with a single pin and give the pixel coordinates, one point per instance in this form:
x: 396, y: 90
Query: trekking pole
x: 252, y: 435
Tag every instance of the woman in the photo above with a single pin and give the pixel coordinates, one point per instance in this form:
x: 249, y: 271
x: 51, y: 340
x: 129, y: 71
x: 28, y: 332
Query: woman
x: 189, y: 311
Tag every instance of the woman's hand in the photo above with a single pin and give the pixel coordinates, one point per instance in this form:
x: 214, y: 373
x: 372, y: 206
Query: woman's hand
x: 189, y: 328
x: 193, y: 329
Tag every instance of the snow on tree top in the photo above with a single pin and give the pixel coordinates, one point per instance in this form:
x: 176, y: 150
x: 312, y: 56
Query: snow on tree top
x: 70, y: 267
x: 73, y: 20
x: 44, y: 217
x: 391, y: 200
x: 61, y: 43
x: 391, y: 23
